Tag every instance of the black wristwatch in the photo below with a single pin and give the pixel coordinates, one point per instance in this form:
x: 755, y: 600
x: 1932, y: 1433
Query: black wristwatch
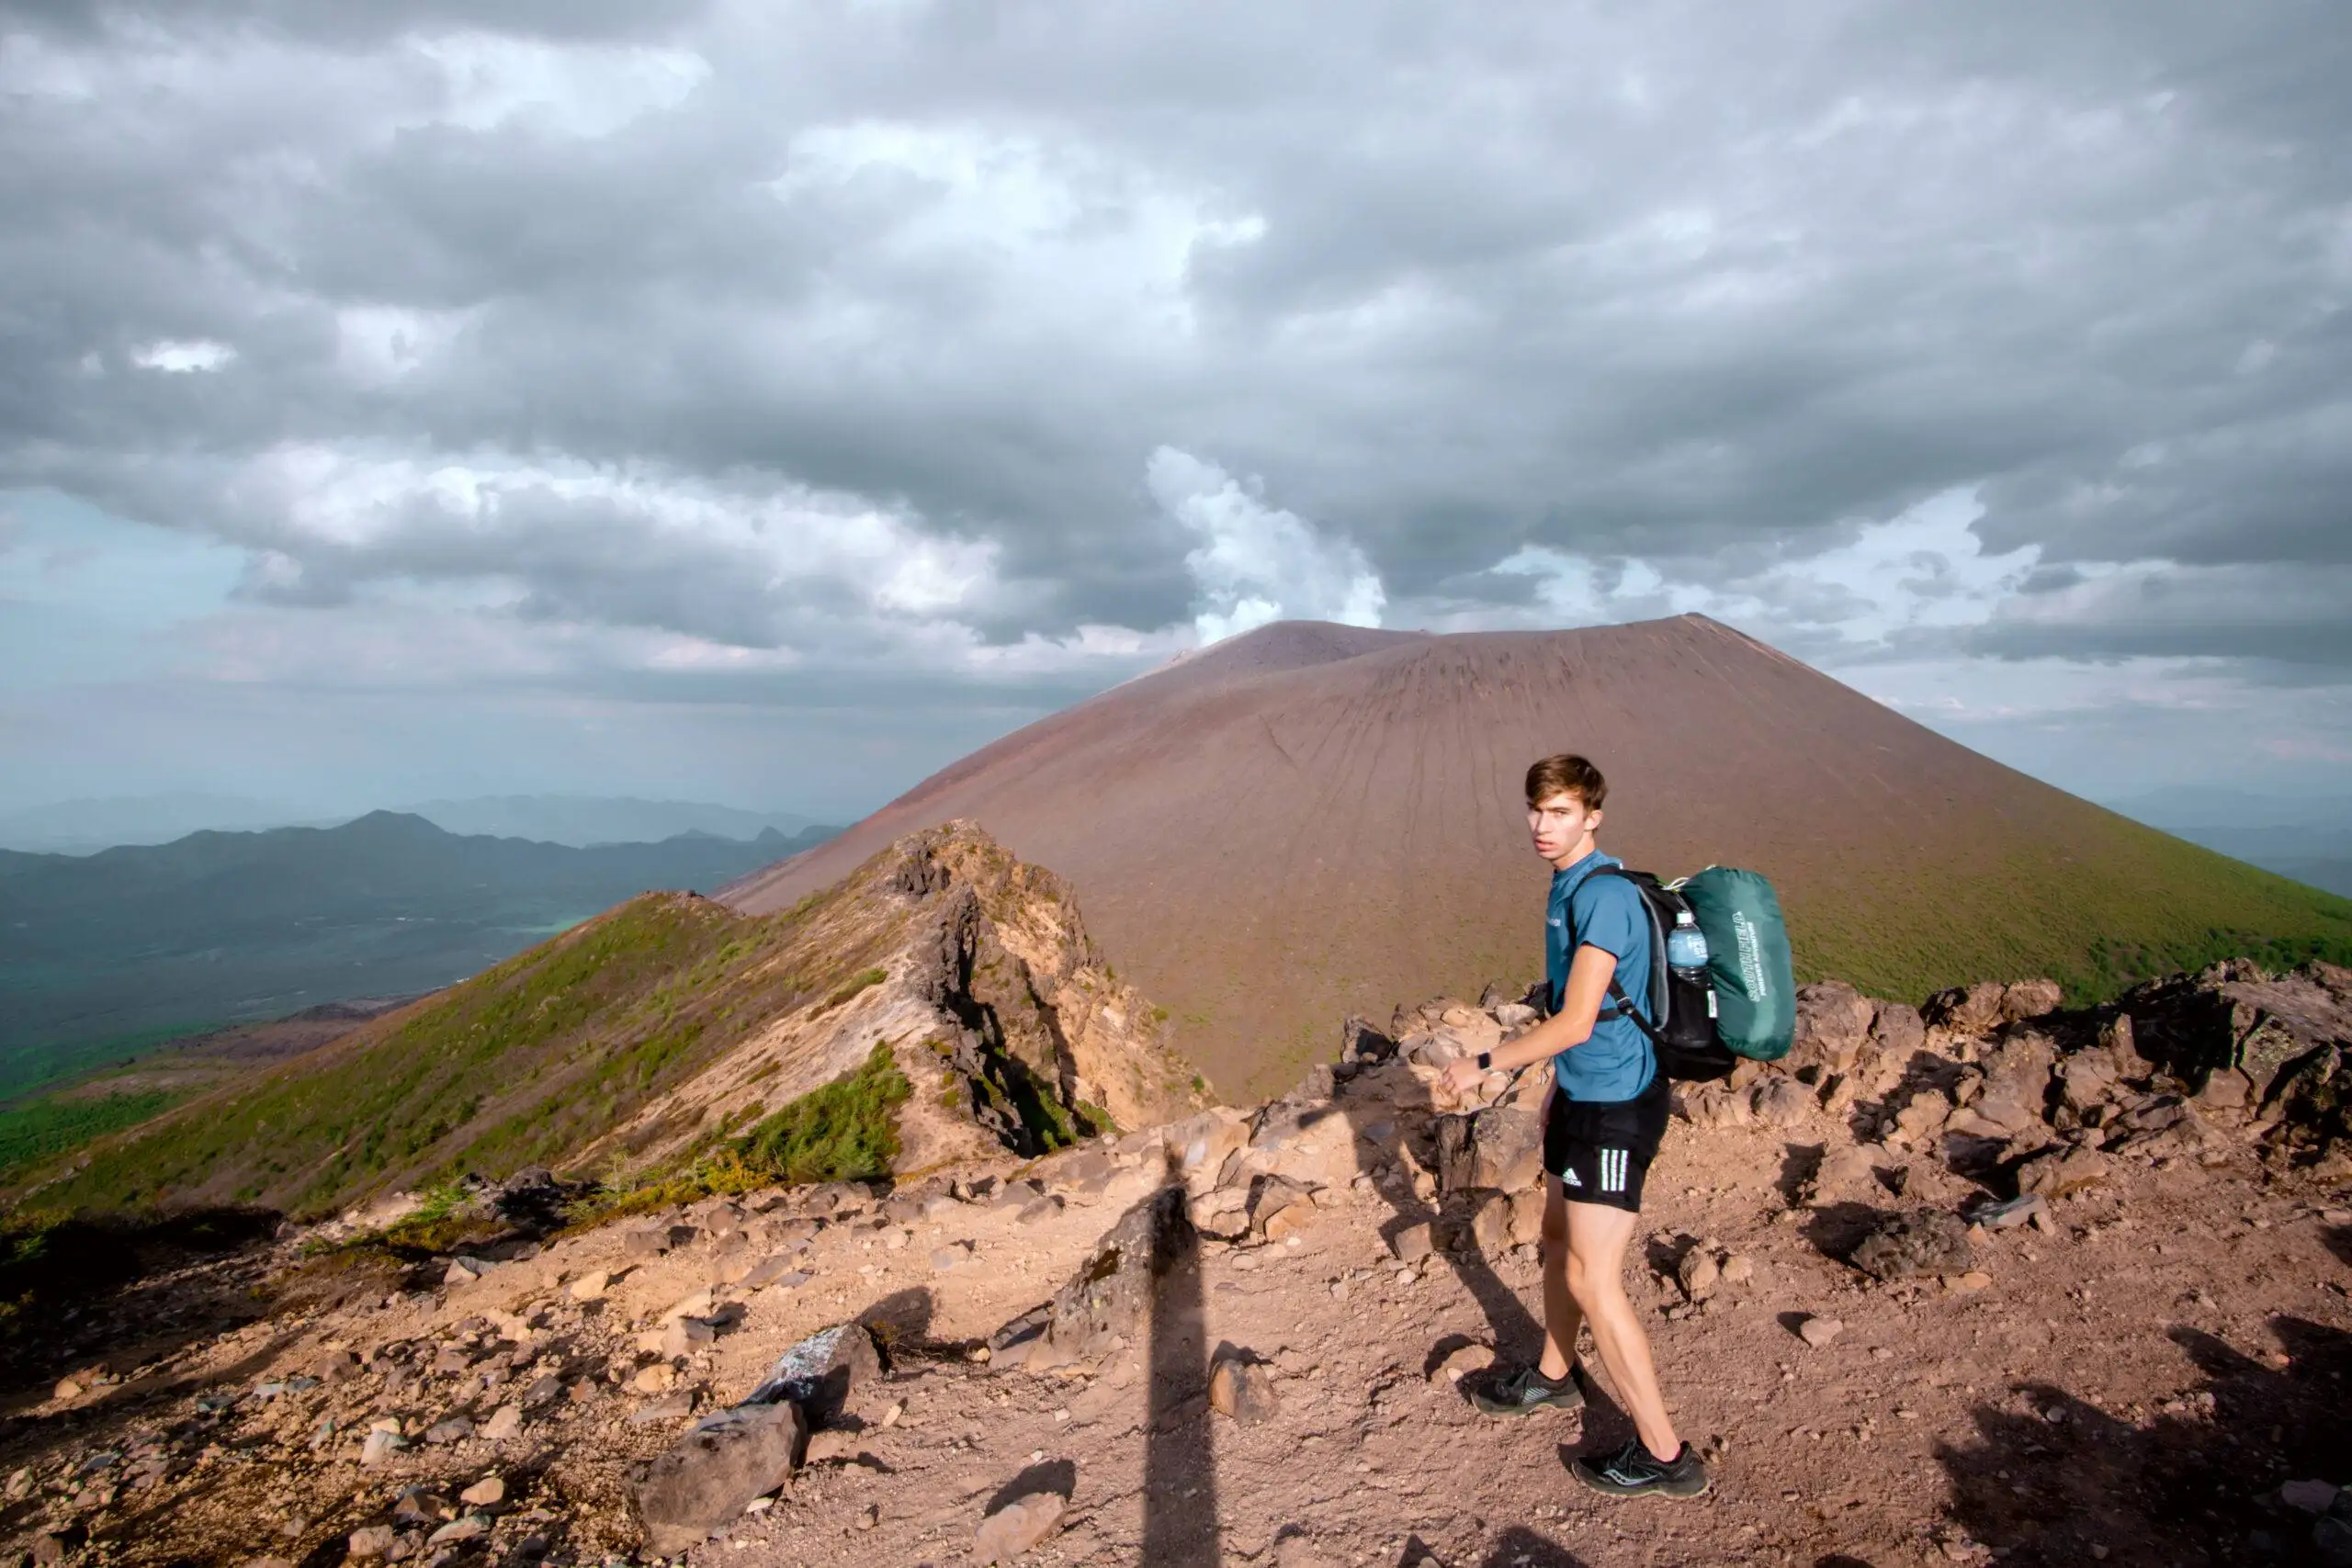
x: 1485, y: 1061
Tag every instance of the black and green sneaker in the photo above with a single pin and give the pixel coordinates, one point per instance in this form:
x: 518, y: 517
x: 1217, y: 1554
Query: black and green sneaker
x: 1635, y: 1472
x: 1527, y: 1391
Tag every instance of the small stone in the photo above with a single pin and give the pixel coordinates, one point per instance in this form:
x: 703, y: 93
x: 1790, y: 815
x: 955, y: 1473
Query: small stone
x: 2015, y: 1211
x: 1698, y: 1273
x: 833, y: 1444
x: 672, y: 1407
x: 1243, y: 1391
x: 455, y: 1428
x: 69, y: 1388
x: 459, y: 1273
x: 2061, y: 1172
x: 1819, y: 1332
x: 380, y: 1446
x: 371, y: 1541
x: 590, y: 1286
x: 658, y: 1378
x: 483, y: 1493
x: 504, y: 1423
x: 473, y: 1527
x: 1902, y: 1246
x: 1968, y: 1284
x: 696, y: 1305
x: 1739, y: 1269
x: 2310, y: 1496
x: 1411, y: 1244
x: 685, y: 1336
x: 1018, y: 1525
x: 1462, y: 1361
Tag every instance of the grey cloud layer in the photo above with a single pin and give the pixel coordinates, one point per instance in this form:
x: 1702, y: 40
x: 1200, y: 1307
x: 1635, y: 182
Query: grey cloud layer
x: 1701, y: 285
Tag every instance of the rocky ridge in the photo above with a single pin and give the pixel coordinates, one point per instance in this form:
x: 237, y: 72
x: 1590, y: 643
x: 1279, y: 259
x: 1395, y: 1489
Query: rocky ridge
x: 1930, y: 1245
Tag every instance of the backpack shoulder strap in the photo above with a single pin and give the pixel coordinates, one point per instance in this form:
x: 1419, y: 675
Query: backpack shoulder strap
x: 1621, y: 1005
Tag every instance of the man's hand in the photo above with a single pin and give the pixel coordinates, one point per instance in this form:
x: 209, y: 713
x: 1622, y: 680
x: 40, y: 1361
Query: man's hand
x: 1463, y: 1078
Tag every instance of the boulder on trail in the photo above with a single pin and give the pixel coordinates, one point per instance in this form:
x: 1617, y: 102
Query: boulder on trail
x: 1783, y: 1103
x: 823, y: 1373
x: 1018, y: 1525
x: 1905, y: 1246
x: 1200, y: 1146
x: 2017, y: 1083
x: 1499, y: 1148
x: 1243, y: 1390
x: 1110, y: 1296
x: 1967, y: 1009
x: 2061, y: 1172
x: 1833, y: 1023
x: 1897, y: 1029
x: 709, y: 1475
x: 2024, y: 999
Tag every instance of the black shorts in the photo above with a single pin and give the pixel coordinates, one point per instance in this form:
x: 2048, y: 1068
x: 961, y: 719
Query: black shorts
x: 1601, y: 1150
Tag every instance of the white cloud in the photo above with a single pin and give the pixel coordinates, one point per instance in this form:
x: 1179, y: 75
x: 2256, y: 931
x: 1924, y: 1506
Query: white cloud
x: 1923, y: 568
x: 382, y: 343
x: 1258, y: 563
x: 755, y: 561
x: 180, y: 356
x: 581, y: 90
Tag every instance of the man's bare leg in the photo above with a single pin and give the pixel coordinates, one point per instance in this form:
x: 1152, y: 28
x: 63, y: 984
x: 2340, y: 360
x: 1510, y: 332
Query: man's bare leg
x: 1562, y: 1316
x: 1596, y: 1281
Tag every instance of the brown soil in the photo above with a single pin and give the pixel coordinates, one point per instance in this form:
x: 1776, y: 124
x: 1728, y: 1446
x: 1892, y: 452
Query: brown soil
x: 1311, y: 821
x: 2130, y: 1386
x: 205, y: 1061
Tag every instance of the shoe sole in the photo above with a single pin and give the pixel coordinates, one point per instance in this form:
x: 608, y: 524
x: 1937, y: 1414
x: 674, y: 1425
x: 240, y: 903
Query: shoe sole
x: 1609, y: 1489
x: 1489, y: 1408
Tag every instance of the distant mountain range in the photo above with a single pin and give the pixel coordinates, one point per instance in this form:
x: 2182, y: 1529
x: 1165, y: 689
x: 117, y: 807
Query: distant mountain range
x: 99, y: 953
x: 2309, y: 839
x: 82, y: 826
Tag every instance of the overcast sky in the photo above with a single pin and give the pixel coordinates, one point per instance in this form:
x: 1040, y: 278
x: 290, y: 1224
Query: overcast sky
x: 767, y: 402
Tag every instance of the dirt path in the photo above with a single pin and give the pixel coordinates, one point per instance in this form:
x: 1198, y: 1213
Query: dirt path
x: 2130, y: 1384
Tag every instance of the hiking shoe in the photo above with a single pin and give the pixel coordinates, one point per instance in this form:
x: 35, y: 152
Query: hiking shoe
x: 1527, y: 1391
x: 1635, y: 1472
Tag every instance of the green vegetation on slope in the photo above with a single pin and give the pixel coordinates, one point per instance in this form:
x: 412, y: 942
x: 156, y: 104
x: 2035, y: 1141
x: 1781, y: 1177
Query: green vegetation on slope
x: 843, y: 1131
x: 847, y: 1131
x: 47, y: 1128
x: 521, y: 1065
x: 2126, y: 904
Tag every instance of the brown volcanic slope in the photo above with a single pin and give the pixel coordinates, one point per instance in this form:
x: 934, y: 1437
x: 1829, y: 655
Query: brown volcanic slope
x: 1313, y: 819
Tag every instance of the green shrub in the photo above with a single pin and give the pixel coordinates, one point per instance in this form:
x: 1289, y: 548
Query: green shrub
x: 846, y: 1131
x: 852, y: 986
x: 46, y: 1128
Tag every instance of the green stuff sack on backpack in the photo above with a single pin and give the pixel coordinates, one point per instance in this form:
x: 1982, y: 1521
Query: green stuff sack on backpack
x: 1747, y: 959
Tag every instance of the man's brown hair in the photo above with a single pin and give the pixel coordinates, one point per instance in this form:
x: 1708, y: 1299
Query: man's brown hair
x: 1566, y: 774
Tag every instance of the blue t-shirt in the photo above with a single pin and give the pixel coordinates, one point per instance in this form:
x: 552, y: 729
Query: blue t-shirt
x: 1606, y: 912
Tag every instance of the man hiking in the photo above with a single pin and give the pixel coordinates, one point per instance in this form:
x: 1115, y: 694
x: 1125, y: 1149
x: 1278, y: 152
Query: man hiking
x: 1604, y: 1119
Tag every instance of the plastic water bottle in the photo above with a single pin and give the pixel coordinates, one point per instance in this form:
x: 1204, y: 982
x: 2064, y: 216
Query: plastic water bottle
x: 1686, y: 944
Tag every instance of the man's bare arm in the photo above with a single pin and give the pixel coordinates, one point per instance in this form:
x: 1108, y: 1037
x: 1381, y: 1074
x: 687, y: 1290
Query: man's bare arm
x: 1587, y: 988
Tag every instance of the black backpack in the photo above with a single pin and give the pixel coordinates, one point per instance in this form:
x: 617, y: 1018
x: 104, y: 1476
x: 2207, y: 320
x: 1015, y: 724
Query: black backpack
x: 1684, y: 1037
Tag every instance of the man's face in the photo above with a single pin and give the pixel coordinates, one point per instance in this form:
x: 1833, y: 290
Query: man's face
x: 1558, y: 824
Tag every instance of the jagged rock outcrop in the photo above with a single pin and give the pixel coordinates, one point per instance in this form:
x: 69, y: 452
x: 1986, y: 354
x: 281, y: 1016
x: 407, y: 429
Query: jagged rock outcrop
x: 976, y: 970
